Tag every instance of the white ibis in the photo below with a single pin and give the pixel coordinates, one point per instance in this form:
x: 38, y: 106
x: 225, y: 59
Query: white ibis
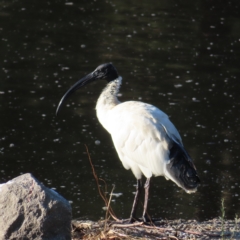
x: 145, y: 139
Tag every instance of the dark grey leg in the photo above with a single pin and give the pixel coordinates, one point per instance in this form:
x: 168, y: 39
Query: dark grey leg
x: 146, y: 186
x: 136, y: 201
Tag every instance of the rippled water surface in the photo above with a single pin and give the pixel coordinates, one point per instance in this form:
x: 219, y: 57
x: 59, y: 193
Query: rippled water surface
x: 181, y: 56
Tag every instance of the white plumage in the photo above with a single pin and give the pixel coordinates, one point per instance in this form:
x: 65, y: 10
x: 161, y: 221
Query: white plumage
x: 141, y: 133
x: 145, y: 139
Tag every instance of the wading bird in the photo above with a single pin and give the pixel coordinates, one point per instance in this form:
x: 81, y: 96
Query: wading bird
x: 145, y: 139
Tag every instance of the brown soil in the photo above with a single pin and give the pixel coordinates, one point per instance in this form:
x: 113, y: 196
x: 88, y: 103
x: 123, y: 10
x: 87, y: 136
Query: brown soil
x: 164, y: 229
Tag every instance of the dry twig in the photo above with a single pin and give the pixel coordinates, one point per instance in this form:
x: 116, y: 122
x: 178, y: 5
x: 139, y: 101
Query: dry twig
x: 101, y: 193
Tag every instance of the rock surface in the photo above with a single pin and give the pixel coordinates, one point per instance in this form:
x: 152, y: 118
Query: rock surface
x: 29, y: 210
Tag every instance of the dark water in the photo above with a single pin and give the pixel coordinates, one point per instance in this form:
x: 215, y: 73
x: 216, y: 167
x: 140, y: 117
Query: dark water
x: 182, y: 56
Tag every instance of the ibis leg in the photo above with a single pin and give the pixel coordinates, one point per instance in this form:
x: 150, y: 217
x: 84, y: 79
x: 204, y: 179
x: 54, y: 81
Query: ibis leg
x: 136, y: 201
x: 146, y: 186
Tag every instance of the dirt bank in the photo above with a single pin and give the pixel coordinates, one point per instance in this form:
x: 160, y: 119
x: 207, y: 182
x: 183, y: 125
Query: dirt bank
x: 164, y: 229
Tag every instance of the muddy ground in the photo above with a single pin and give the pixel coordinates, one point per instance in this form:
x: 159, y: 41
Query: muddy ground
x: 164, y: 229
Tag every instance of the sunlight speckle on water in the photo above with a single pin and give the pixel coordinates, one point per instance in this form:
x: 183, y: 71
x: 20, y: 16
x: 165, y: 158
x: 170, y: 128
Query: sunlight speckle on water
x: 182, y: 59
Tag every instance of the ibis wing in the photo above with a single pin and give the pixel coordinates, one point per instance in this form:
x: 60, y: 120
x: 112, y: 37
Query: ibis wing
x: 142, y: 135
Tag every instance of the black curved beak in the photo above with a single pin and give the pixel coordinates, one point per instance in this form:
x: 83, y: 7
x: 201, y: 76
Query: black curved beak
x: 82, y: 82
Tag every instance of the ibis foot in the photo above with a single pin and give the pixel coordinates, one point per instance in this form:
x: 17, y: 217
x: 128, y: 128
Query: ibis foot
x: 134, y: 219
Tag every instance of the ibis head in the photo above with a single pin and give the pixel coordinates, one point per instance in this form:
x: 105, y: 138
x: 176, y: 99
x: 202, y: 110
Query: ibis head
x: 105, y: 71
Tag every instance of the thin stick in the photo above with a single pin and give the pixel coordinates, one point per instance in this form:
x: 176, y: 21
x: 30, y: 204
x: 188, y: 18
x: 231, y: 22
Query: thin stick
x: 103, y: 196
x: 106, y: 217
x: 127, y: 225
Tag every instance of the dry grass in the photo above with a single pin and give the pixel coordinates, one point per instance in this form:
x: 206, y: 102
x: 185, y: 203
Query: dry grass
x: 167, y: 229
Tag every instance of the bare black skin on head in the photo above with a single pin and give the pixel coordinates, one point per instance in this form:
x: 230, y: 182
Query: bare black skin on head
x: 105, y: 71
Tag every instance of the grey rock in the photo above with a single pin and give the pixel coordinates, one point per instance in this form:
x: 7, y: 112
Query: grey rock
x: 29, y: 210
